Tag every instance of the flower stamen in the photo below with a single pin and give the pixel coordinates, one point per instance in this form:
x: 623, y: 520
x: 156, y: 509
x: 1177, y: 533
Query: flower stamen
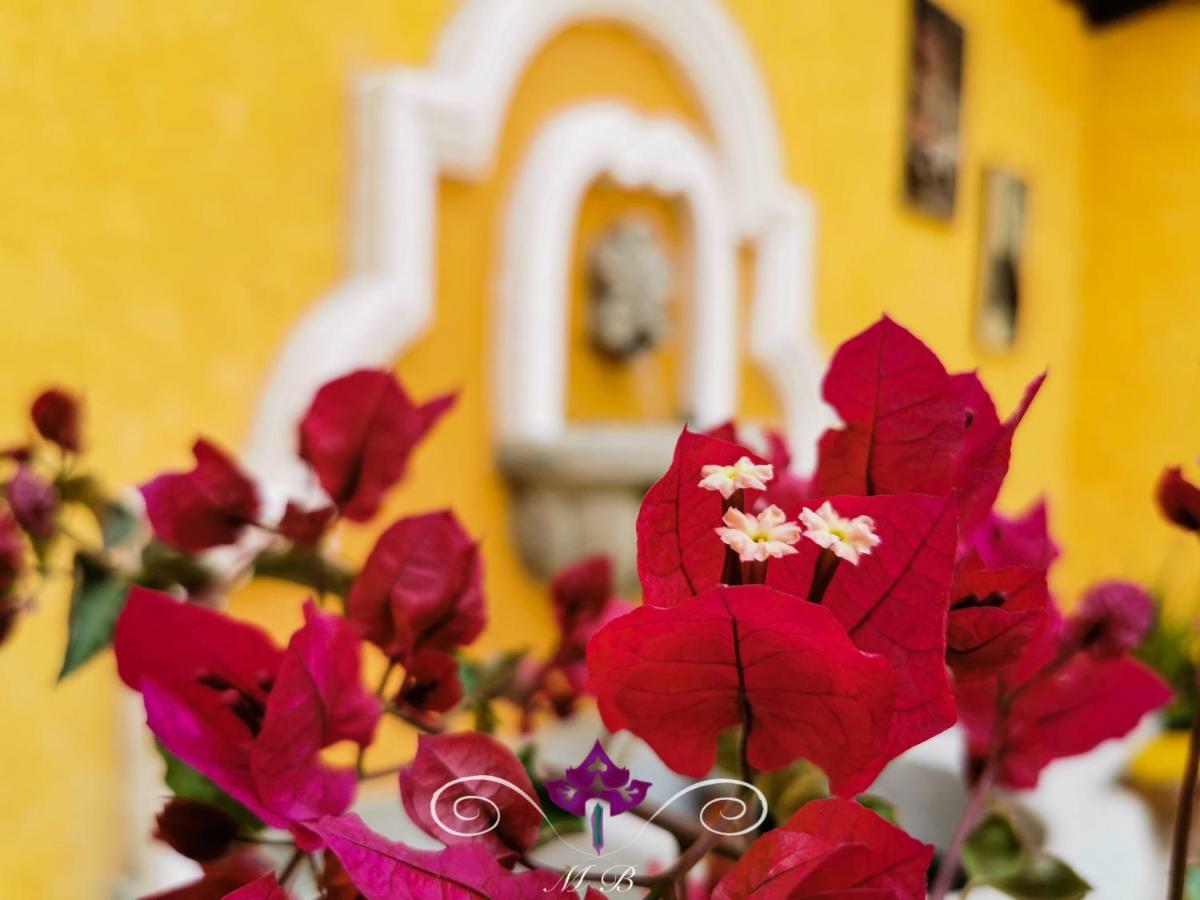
x: 745, y: 473
x: 848, y: 539
x: 756, y: 538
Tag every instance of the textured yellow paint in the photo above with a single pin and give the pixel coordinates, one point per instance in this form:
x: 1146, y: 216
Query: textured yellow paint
x: 174, y: 183
x: 1139, y: 385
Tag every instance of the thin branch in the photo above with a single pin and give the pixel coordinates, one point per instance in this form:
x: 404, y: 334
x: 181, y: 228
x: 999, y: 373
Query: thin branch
x: 978, y: 796
x: 360, y: 760
x: 419, y: 724
x: 970, y: 817
x: 1184, y: 810
x: 685, y: 831
x: 292, y: 864
x: 381, y: 773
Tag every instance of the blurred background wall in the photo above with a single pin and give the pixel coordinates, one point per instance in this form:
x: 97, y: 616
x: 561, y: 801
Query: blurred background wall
x: 175, y: 181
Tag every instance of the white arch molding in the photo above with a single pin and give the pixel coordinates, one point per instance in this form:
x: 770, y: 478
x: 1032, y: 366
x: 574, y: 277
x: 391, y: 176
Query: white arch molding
x: 414, y: 127
x: 572, y: 152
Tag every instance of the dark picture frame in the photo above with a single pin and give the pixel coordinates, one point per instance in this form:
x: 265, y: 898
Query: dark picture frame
x: 1005, y: 205
x: 932, y: 141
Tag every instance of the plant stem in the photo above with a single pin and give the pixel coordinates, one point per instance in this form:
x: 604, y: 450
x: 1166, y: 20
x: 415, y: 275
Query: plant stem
x: 663, y: 884
x: 1183, y: 812
x: 387, y: 673
x: 426, y: 727
x: 970, y: 817
x: 665, y: 881
x: 364, y: 775
x: 823, y: 572
x: 684, y: 831
x: 974, y: 808
x: 361, y: 760
x: 290, y: 869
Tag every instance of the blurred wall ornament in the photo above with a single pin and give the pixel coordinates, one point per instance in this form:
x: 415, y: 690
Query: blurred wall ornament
x: 417, y: 126
x: 1001, y: 249
x: 934, y: 98
x: 576, y: 486
x: 628, y: 284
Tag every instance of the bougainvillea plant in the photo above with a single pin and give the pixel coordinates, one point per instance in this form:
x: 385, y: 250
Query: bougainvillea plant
x: 789, y: 624
x: 1179, y: 503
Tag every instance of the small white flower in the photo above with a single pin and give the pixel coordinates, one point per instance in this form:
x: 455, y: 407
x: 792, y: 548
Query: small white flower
x: 742, y: 474
x: 850, y: 539
x: 755, y: 538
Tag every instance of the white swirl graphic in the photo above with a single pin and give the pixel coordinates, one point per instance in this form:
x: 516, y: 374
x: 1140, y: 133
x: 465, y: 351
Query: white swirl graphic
x: 740, y: 805
x: 477, y: 799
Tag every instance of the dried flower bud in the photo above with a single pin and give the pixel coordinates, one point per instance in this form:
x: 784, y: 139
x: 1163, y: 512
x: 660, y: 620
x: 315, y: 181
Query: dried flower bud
x: 431, y: 683
x: 306, y: 526
x: 34, y: 503
x: 199, y: 831
x: 1112, y: 619
x: 55, y: 414
x: 12, y: 554
x: 1179, y: 499
x: 9, y: 612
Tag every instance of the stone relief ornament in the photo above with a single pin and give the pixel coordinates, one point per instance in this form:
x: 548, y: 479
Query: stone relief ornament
x: 629, y: 284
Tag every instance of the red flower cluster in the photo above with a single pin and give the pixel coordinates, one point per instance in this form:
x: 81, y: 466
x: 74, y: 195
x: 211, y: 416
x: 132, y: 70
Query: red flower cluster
x: 357, y: 436
x: 1037, y: 687
x: 830, y: 848
x: 35, y: 473
x: 846, y: 665
x: 922, y: 455
x: 224, y: 699
x: 840, y: 618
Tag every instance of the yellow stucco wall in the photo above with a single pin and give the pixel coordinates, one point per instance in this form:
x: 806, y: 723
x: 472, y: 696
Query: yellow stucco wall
x: 1139, y: 394
x: 174, y: 185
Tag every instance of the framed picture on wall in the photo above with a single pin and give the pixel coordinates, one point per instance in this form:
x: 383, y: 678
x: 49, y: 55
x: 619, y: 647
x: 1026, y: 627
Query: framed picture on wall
x: 997, y: 320
x: 934, y: 96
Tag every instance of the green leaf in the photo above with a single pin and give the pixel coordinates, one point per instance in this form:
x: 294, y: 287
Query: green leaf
x: 791, y: 787
x: 485, y: 682
x: 1043, y: 877
x: 562, y: 821
x: 79, y: 489
x: 306, y: 567
x: 996, y: 854
x: 1191, y: 889
x: 186, y: 782
x: 994, y: 849
x: 116, y: 520
x: 164, y: 567
x: 879, y: 806
x: 117, y: 524
x: 96, y: 602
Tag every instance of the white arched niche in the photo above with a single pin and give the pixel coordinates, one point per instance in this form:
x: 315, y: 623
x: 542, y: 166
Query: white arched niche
x: 574, y: 151
x: 416, y: 126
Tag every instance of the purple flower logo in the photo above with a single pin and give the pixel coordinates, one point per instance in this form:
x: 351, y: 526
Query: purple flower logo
x: 593, y: 785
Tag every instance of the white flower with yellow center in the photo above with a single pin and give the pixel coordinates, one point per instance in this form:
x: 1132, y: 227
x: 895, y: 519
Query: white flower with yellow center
x: 756, y: 538
x: 849, y: 539
x: 742, y: 474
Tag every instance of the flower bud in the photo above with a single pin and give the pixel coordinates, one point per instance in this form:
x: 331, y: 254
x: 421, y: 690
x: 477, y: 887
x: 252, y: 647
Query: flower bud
x: 12, y: 555
x: 431, y: 683
x: 55, y: 414
x: 34, y: 503
x: 198, y: 830
x: 1112, y: 619
x: 1179, y: 499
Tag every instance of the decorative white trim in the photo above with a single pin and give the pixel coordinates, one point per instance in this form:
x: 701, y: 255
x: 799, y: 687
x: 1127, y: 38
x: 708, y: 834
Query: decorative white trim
x: 571, y: 153
x: 414, y: 126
